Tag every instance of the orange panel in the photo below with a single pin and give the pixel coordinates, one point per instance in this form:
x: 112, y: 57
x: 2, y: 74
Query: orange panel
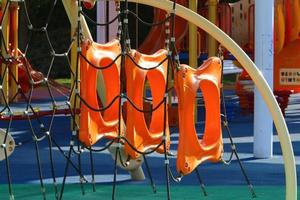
x: 93, y: 124
x: 287, y: 68
x: 192, y: 151
x: 138, y: 133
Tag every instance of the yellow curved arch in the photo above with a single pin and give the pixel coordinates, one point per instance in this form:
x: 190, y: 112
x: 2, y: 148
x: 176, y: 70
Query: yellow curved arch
x: 254, y: 72
x: 257, y: 77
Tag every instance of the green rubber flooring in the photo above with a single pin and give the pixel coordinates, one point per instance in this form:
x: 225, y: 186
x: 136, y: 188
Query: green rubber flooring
x: 144, y: 192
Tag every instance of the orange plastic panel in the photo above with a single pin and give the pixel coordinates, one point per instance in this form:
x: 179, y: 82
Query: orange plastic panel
x: 138, y: 134
x: 287, y: 68
x: 95, y: 125
x: 192, y: 151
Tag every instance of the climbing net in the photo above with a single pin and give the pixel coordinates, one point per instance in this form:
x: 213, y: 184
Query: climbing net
x: 40, y: 123
x: 38, y: 126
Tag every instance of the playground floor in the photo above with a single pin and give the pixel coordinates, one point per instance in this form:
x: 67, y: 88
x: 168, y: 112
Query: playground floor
x: 222, y: 182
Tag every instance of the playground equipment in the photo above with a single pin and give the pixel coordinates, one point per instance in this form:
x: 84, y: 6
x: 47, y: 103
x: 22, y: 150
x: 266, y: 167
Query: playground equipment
x: 155, y: 37
x: 94, y: 125
x: 154, y: 68
x: 291, y: 182
x: 286, y: 59
x: 287, y: 68
x: 208, y: 80
x: 21, y: 64
x: 191, y: 151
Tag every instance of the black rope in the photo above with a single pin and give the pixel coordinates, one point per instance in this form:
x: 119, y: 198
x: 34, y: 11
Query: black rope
x: 148, y: 68
x: 176, y: 179
x: 142, y: 152
x: 51, y: 157
x: 201, y: 182
x: 99, y: 24
x: 159, y: 23
x: 124, y: 49
x: 81, y: 181
x: 100, y: 109
x: 37, y: 151
x: 29, y: 111
x: 65, y: 175
x: 233, y: 146
x: 7, y: 163
x: 113, y: 62
x: 150, y: 175
x: 92, y: 171
x: 101, y: 148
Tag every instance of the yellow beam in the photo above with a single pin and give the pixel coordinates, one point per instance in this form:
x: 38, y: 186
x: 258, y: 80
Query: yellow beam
x: 15, y: 43
x: 193, y: 57
x: 193, y: 41
x: 71, y: 8
x: 212, y: 16
x: 4, y: 49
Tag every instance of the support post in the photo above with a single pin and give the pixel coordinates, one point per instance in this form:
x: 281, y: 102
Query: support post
x: 106, y: 11
x: 14, y: 40
x: 264, y: 59
x: 193, y: 41
x: 193, y: 57
x: 4, y: 49
x: 71, y: 8
x: 212, y: 16
x: 104, y: 14
x: 101, y: 17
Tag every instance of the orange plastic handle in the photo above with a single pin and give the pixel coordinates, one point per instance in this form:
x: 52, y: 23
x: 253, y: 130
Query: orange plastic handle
x: 191, y: 150
x: 95, y: 125
x: 137, y: 132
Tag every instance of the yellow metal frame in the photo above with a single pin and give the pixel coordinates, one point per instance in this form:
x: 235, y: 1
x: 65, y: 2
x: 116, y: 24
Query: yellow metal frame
x: 14, y: 10
x: 4, y: 48
x: 193, y: 40
x: 71, y: 8
x: 251, y: 68
x: 10, y: 23
x: 212, y: 16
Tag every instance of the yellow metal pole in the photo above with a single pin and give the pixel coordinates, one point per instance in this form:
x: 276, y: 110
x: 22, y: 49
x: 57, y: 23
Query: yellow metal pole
x: 15, y: 43
x: 4, y: 49
x: 193, y: 41
x: 193, y: 57
x: 71, y: 8
x: 212, y: 16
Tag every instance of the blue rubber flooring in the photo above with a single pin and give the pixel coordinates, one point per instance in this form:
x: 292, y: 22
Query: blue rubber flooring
x: 269, y: 172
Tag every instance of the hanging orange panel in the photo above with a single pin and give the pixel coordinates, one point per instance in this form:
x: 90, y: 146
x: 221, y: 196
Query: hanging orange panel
x: 192, y: 151
x: 94, y: 124
x: 142, y: 137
